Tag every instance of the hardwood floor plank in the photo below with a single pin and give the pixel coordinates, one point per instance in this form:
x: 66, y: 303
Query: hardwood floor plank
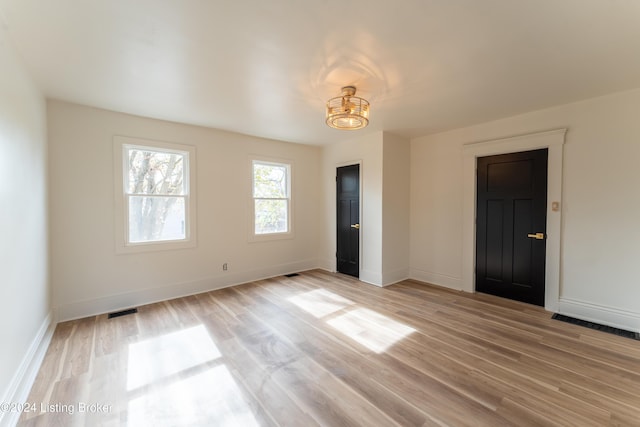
x: 275, y: 399
x: 436, y: 386
x: 80, y: 342
x: 521, y: 415
x: 347, y: 365
x: 323, y: 349
x: 293, y: 367
x: 624, y: 407
x: 622, y: 378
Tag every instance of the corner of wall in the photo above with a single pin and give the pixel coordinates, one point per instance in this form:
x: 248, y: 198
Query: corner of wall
x: 24, y: 377
x: 389, y: 278
x: 371, y: 277
x: 26, y: 303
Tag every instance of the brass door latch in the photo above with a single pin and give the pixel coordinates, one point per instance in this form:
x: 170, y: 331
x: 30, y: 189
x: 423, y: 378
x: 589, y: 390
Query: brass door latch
x: 537, y: 236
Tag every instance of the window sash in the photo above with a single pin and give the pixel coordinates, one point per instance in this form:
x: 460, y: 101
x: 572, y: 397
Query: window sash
x: 287, y: 177
x: 123, y: 244
x: 130, y: 240
x: 126, y: 152
x: 286, y: 198
x: 268, y: 224
x: 163, y: 235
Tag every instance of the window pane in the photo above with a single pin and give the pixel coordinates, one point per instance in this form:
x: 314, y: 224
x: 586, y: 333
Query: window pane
x: 269, y: 181
x: 271, y: 216
x: 153, y: 219
x: 153, y: 172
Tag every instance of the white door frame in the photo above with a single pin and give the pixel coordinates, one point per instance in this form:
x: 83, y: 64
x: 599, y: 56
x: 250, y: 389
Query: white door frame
x: 552, y: 140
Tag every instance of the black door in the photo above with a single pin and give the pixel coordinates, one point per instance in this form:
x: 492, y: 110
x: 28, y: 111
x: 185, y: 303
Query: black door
x: 348, y: 219
x: 511, y: 225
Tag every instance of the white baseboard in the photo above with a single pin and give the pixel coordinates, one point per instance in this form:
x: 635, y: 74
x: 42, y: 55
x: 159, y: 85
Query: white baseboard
x: 22, y: 381
x: 371, y: 277
x: 389, y: 278
x: 327, y: 265
x: 605, y: 315
x: 80, y: 309
x: 436, y: 279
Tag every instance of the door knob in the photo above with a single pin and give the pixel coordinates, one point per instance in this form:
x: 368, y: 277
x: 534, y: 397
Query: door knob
x: 537, y: 236
x: 356, y: 226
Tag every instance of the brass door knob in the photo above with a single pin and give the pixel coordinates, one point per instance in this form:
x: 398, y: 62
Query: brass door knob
x: 356, y: 226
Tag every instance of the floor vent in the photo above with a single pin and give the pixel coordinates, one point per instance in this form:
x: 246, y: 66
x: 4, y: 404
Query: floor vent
x: 123, y: 313
x: 291, y: 275
x: 597, y: 326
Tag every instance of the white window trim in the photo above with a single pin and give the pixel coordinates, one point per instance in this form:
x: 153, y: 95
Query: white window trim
x: 253, y: 237
x: 122, y: 246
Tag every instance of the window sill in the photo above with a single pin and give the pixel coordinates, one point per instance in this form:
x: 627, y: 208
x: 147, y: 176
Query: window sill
x: 254, y: 238
x: 154, y: 246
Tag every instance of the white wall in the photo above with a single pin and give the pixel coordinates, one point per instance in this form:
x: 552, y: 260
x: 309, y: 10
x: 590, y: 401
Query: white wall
x: 384, y: 218
x: 600, y: 210
x: 365, y: 149
x: 395, y: 208
x: 87, y: 275
x: 436, y: 211
x: 24, y: 305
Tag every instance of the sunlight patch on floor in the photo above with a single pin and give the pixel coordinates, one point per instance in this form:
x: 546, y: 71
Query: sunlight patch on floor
x: 320, y: 302
x: 371, y: 329
x: 153, y: 359
x: 209, y: 398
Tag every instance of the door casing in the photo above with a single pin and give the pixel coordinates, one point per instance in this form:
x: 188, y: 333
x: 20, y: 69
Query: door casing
x: 553, y: 140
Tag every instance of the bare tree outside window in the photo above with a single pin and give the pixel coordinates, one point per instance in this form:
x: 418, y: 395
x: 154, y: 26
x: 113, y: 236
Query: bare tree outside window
x: 156, y: 192
x: 271, y: 197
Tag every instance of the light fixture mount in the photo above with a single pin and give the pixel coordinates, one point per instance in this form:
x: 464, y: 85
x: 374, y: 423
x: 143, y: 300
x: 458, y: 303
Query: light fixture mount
x: 347, y: 112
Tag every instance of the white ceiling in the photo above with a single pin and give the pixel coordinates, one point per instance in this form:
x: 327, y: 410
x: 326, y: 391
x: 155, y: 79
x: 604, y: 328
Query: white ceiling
x: 266, y: 67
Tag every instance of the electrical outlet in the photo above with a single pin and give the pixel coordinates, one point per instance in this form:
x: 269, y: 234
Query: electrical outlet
x: 225, y: 267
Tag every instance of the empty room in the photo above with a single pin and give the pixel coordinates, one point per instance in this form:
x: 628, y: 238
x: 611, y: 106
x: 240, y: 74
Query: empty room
x: 294, y: 213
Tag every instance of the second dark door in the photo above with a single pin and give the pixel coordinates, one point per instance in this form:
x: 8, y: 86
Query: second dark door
x: 511, y: 225
x: 348, y: 219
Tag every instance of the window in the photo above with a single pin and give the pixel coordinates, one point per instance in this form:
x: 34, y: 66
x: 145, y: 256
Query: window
x: 156, y: 200
x: 271, y: 198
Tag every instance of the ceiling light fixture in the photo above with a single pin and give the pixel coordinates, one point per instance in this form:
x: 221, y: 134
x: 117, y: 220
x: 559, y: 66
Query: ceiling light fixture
x: 348, y: 112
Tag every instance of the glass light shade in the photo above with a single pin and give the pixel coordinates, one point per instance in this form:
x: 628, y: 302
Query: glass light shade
x: 347, y: 112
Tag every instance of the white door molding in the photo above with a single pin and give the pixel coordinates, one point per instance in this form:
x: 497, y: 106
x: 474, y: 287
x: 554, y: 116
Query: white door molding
x: 552, y: 140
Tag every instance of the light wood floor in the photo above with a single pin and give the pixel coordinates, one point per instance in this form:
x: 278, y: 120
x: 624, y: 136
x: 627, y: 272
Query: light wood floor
x: 325, y: 349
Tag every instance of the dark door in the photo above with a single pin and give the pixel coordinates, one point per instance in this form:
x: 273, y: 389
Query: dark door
x: 348, y: 219
x: 511, y: 225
